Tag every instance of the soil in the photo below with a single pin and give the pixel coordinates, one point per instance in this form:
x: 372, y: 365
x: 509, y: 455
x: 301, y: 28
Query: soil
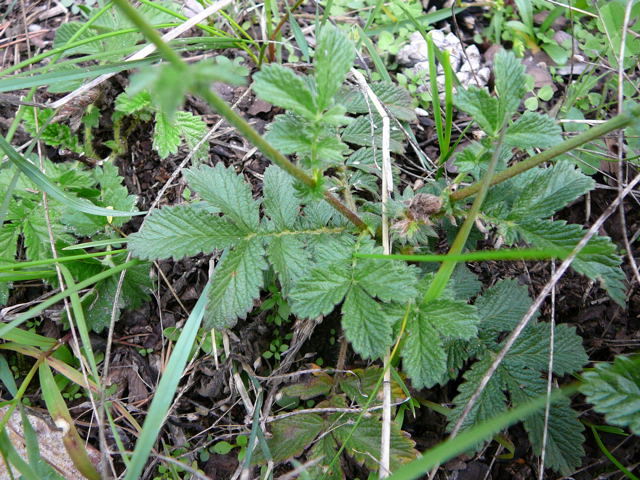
x: 207, y: 400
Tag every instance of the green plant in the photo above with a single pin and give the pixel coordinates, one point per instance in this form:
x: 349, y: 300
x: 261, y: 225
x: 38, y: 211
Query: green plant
x: 320, y: 262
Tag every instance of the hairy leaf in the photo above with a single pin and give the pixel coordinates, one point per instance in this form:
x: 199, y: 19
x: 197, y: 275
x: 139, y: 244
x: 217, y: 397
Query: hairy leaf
x: 290, y: 436
x: 323, y: 288
x: 600, y: 262
x: 367, y: 131
x: 288, y: 133
x: 423, y: 356
x: 289, y: 259
x: 392, y: 96
x: 281, y: 204
x: 533, y: 130
x: 502, y: 306
x: 235, y: 284
x: 365, y: 325
x: 510, y: 83
x: 169, y: 133
x: 333, y: 59
x: 226, y: 190
x: 544, y: 191
x: 482, y: 107
x: 282, y: 87
x: 182, y: 231
x: 614, y: 390
x: 386, y: 280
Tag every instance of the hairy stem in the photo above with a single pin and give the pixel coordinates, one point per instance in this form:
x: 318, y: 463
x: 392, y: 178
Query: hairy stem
x: 235, y: 119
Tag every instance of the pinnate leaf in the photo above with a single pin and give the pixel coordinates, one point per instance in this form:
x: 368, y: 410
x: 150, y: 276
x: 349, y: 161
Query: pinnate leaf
x: 181, y: 231
x: 169, y: 133
x: 614, y: 390
x: 235, y: 284
x: 283, y: 87
x: 226, y: 190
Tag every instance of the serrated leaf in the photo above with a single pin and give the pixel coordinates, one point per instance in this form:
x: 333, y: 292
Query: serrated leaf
x: 543, y: 191
x: 289, y: 259
x: 290, y: 436
x: 423, y: 356
x: 226, y: 190
x: 333, y: 59
x: 533, y: 130
x: 386, y: 280
x: 281, y: 204
x: 282, y: 87
x: 502, y: 306
x: 322, y: 289
x: 365, y: 325
x: 169, y: 133
x: 564, y: 438
x: 325, y: 448
x: 600, y: 263
x: 510, y: 83
x: 364, y: 444
x: 8, y: 240
x: 491, y: 402
x: 392, y: 96
x: 67, y: 30
x: 482, y: 107
x: 180, y: 231
x: 130, y: 104
x: 451, y: 318
x: 531, y: 350
x: 367, y: 131
x: 288, y: 133
x: 614, y: 390
x: 235, y: 284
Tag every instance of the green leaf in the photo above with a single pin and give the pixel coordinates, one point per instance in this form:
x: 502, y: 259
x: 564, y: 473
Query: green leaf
x: 290, y: 436
x: 614, y: 390
x: 491, y: 402
x: 365, y: 325
x: 130, y: 104
x: 235, y: 284
x: 333, y: 59
x: 180, y: 231
x: 564, y: 431
x: 510, y: 84
x: 282, y: 87
x: 423, y: 356
x: 482, y: 107
x: 533, y: 130
x: 386, y: 280
x: 531, y: 350
x: 289, y: 134
x: 364, y: 444
x: 281, y: 204
x: 325, y: 448
x: 367, y: 131
x: 226, y: 190
x: 169, y: 133
x: 322, y: 289
x: 543, y: 191
x: 394, y: 97
x: 600, y: 262
x: 289, y: 259
x: 502, y: 306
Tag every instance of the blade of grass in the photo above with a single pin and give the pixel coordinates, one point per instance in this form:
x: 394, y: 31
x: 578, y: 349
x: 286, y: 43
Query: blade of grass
x: 70, y: 258
x: 373, y: 53
x: 36, y: 176
x: 423, y: 20
x: 166, y: 389
x: 610, y: 456
x: 60, y: 414
x: 35, y: 311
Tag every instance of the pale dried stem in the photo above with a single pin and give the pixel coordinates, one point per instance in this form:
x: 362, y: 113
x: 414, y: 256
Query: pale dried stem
x: 387, y: 189
x: 517, y: 331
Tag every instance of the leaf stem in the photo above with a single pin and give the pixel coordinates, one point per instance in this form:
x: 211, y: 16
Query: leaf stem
x: 619, y: 121
x: 234, y: 118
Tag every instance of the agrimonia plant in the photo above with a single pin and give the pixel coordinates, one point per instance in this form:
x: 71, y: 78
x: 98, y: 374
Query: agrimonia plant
x: 323, y: 263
